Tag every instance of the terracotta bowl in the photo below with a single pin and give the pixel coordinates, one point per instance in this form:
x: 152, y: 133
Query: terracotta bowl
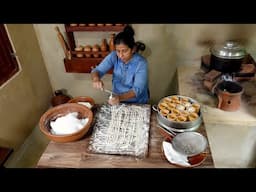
x: 82, y: 99
x: 61, y: 110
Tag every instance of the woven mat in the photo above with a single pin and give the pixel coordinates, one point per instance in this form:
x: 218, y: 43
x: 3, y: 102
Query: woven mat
x: 121, y: 129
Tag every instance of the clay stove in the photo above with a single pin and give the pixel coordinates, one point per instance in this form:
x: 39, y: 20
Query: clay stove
x: 227, y: 85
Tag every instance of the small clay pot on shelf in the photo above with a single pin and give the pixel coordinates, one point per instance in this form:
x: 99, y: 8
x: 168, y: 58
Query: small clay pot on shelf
x: 80, y: 48
x: 95, y: 50
x: 111, y: 42
x: 88, y: 48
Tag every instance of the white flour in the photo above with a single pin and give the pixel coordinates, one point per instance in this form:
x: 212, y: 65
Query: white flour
x: 67, y: 124
x: 87, y: 104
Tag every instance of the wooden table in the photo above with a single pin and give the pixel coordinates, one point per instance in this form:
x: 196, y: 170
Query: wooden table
x: 75, y: 154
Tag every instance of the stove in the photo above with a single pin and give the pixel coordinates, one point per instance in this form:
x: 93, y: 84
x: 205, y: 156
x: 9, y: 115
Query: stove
x: 212, y: 80
x: 212, y: 77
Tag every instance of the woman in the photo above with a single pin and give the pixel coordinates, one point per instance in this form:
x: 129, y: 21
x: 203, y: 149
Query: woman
x: 130, y: 77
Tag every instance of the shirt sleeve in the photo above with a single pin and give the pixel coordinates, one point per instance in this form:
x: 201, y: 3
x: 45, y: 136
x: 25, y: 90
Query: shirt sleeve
x: 106, y: 64
x: 141, y: 78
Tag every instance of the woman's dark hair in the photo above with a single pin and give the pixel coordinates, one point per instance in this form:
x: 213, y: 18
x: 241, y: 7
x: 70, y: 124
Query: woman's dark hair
x: 140, y: 46
x: 126, y: 37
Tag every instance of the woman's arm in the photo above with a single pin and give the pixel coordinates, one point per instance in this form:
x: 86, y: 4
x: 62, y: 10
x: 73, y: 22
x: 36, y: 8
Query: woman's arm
x: 96, y: 81
x: 116, y: 99
x: 106, y: 64
x: 139, y: 85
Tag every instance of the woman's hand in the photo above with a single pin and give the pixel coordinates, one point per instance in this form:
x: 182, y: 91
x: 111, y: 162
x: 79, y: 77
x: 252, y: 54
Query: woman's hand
x: 96, y: 81
x: 114, y: 100
x: 98, y: 84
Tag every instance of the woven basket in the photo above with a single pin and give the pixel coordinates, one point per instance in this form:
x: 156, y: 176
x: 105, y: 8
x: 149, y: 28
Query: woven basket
x: 61, y: 110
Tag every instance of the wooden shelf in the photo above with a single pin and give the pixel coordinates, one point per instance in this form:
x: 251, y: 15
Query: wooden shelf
x: 85, y: 64
x: 102, y: 53
x: 94, y: 28
x: 81, y: 65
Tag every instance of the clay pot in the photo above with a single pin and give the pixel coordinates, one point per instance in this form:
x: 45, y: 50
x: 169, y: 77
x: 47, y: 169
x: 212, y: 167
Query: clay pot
x: 61, y: 110
x: 229, y: 95
x: 59, y: 98
x: 83, y: 99
x: 88, y: 49
x: 111, y: 42
x: 95, y: 50
x: 80, y: 48
x: 104, y: 45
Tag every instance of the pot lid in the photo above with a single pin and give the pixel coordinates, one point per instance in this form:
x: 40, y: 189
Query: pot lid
x: 228, y: 50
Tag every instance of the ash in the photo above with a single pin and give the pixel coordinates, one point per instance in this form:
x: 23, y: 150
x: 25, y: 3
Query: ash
x: 197, y: 82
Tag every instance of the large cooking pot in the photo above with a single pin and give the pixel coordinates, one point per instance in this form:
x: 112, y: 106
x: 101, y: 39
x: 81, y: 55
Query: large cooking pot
x: 227, y: 57
x: 178, y: 126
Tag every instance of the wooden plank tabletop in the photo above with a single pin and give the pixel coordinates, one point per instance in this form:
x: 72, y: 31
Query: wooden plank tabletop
x: 76, y: 154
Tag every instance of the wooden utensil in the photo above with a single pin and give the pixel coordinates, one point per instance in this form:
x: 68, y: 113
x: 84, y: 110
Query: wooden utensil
x: 63, y: 43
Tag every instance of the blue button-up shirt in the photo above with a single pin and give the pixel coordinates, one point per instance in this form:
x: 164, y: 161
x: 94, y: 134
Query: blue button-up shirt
x: 126, y: 77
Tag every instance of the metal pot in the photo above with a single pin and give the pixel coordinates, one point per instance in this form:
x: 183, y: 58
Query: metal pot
x: 174, y: 125
x: 227, y: 57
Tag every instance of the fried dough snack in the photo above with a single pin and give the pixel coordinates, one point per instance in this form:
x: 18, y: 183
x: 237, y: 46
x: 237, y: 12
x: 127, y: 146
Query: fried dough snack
x: 171, y: 116
x: 164, y: 112
x: 192, y: 116
x: 171, y: 106
x: 176, y: 111
x: 162, y: 106
x: 176, y: 98
x: 181, y: 118
x: 196, y: 106
x: 179, y: 108
x: 167, y: 99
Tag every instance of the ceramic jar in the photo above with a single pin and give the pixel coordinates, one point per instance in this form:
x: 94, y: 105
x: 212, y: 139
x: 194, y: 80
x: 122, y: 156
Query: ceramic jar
x: 111, y: 42
x: 95, y: 50
x: 88, y: 49
x: 80, y: 48
x: 229, y: 95
x: 59, y: 98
